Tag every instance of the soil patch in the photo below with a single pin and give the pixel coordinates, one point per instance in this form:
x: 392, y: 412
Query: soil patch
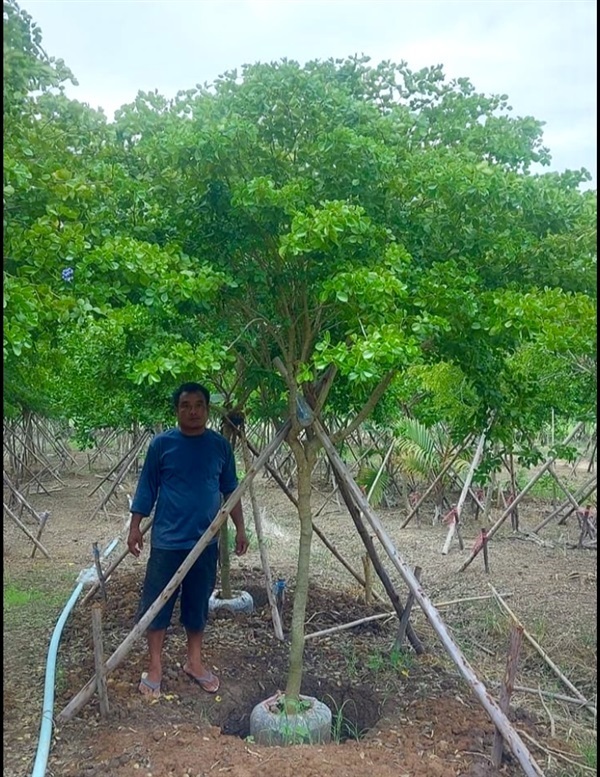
x: 405, y: 717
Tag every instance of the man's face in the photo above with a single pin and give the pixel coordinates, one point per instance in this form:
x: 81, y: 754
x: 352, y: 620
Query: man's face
x: 192, y: 412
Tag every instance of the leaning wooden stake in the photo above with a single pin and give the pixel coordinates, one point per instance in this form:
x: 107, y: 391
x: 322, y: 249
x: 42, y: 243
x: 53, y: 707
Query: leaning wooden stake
x: 519, y: 497
x: 262, y: 548
x: 463, y: 495
x: 99, y: 572
x: 350, y: 625
x: 43, y: 518
x: 86, y: 693
x: 514, y: 741
x: 24, y: 528
x: 368, y: 570
x: 332, y: 549
x: 99, y: 659
x: 581, y: 495
x: 90, y: 594
x: 584, y: 702
x: 401, y: 635
x: 516, y: 638
x: 439, y: 476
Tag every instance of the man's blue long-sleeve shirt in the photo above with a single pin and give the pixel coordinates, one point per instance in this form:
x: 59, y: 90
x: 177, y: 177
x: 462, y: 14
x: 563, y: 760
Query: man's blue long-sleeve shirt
x: 185, y: 476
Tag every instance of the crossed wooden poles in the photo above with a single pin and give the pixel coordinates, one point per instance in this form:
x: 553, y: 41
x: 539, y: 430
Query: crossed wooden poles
x: 503, y: 725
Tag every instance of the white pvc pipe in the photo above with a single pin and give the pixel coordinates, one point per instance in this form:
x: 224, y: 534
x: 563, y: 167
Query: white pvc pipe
x: 43, y: 751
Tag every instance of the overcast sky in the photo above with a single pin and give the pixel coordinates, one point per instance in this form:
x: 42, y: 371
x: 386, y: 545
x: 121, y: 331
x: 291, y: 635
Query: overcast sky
x: 542, y: 53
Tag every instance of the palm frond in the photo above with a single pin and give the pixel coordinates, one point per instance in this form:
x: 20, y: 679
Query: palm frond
x: 416, y: 447
x: 366, y: 478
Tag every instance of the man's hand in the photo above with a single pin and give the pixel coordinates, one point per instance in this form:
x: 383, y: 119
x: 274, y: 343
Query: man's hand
x: 135, y: 540
x: 241, y: 542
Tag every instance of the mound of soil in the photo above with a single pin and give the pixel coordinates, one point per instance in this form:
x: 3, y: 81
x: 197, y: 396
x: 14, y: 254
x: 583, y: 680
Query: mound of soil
x: 408, y: 716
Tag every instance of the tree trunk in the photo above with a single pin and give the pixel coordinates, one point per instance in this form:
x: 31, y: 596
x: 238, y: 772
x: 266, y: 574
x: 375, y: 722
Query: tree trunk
x: 294, y: 680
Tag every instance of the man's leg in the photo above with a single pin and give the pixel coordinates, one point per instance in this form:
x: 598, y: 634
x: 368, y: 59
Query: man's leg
x: 156, y: 639
x: 196, y: 589
x: 161, y: 567
x: 195, y: 666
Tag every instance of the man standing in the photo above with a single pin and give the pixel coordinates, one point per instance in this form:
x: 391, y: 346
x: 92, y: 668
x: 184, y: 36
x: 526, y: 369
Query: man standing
x: 185, y: 472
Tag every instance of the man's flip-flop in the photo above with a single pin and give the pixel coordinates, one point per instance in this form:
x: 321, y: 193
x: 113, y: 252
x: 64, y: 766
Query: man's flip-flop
x: 149, y: 687
x: 209, y: 682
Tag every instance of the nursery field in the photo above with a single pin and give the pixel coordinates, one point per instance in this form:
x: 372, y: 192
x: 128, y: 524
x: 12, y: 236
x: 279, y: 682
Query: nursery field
x: 396, y: 714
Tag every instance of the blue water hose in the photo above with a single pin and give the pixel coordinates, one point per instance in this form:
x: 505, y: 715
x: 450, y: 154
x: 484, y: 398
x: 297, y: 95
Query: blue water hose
x: 43, y: 751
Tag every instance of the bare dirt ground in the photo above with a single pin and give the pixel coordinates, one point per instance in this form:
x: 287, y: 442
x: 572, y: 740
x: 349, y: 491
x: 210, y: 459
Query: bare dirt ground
x: 407, y: 717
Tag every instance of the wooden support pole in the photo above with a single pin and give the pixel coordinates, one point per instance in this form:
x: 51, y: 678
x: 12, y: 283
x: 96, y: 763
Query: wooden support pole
x: 367, y: 539
x: 350, y: 625
x: 581, y: 495
x: 516, y: 639
x: 20, y: 498
x: 99, y: 659
x: 440, y: 475
x: 262, y: 548
x: 43, y: 518
x: 24, y: 528
x: 520, y: 496
x: 330, y: 547
x: 465, y: 491
x: 511, y: 736
x: 86, y: 693
x: 368, y: 570
x: 486, y: 560
x: 401, y: 635
x: 584, y: 702
x: 111, y: 568
x: 98, y: 565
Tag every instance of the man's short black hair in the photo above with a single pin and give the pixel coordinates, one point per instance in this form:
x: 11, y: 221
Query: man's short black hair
x: 190, y: 388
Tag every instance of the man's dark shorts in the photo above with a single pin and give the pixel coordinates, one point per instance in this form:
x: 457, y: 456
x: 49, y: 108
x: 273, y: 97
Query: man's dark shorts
x: 196, y: 587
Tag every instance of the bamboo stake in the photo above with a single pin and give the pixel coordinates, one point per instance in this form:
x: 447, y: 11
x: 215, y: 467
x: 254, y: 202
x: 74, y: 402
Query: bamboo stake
x: 86, y: 693
x: 486, y: 561
x: 264, y: 558
x: 570, y: 498
x: 24, y: 528
x: 99, y: 660
x: 548, y: 694
x: 330, y: 547
x: 350, y: 625
x: 519, y: 497
x: 400, y: 636
x: 583, y: 493
x: 367, y: 540
x: 368, y: 570
x: 584, y: 702
x: 43, y: 518
x: 556, y: 754
x: 516, y: 744
x: 111, y: 568
x: 20, y: 498
x: 467, y: 599
x: 129, y: 460
x: 435, y: 482
x: 516, y: 639
x: 463, y: 495
x: 98, y: 566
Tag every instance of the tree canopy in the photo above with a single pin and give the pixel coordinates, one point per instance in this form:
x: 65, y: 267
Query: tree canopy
x: 367, y: 216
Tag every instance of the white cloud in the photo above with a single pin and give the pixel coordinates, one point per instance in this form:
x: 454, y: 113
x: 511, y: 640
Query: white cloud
x: 542, y: 54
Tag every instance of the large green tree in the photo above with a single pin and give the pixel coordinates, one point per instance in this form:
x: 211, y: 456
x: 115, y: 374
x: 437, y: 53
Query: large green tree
x: 369, y: 229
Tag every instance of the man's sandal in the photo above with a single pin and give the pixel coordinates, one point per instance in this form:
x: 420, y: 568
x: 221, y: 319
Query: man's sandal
x: 149, y: 687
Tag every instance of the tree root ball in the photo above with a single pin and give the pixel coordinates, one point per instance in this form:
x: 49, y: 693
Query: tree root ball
x: 241, y: 602
x: 269, y: 725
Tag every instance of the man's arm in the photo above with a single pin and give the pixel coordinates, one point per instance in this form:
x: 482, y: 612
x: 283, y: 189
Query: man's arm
x: 135, y: 539
x: 144, y: 499
x: 237, y: 516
